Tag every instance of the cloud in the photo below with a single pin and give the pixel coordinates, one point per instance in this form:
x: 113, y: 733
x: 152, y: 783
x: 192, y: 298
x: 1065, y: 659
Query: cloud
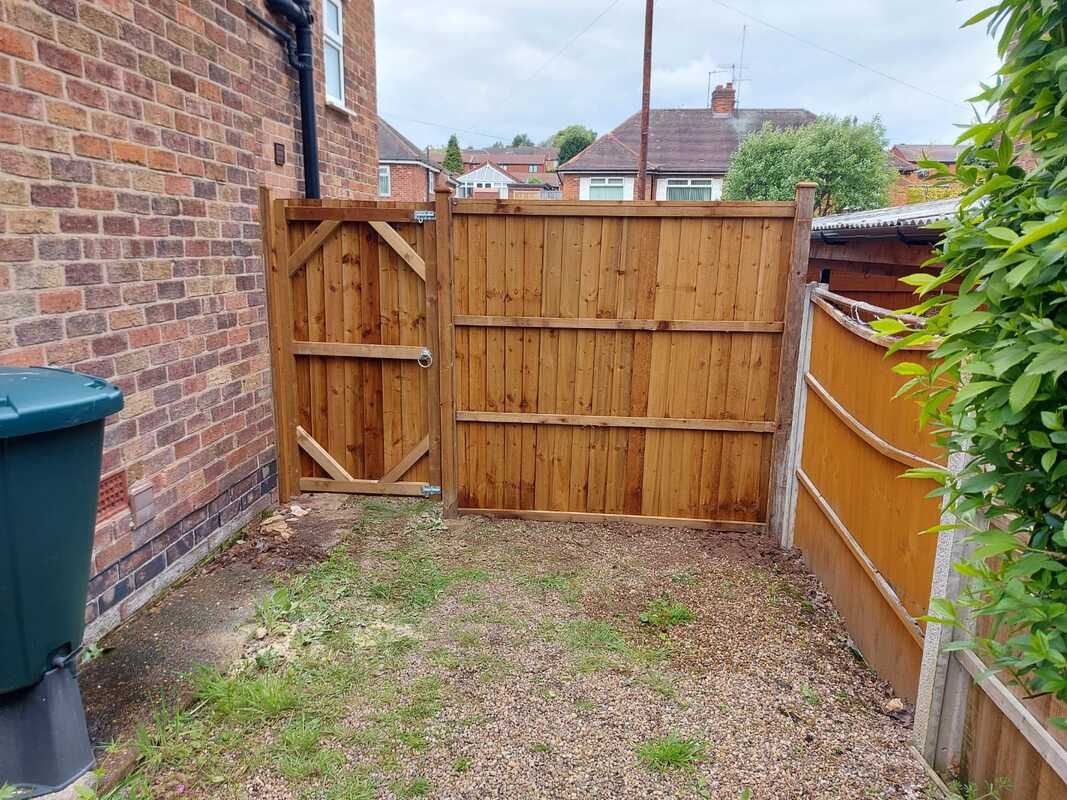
x: 490, y: 69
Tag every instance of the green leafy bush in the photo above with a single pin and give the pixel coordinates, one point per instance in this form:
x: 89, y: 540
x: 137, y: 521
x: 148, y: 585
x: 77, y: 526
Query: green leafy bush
x: 996, y: 393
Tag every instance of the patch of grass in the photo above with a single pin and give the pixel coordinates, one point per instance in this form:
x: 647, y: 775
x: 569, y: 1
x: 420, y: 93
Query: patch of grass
x: 684, y: 578
x: 274, y: 610
x: 351, y: 786
x: 417, y: 581
x: 658, y: 682
x: 540, y: 747
x: 969, y: 791
x: 670, y: 752
x: 299, y: 755
x: 598, y: 645
x: 810, y: 695
x: 244, y: 697
x: 566, y: 584
x: 419, y: 787
x: 584, y: 705
x: 468, y: 639
x: 664, y: 612
x: 381, y: 511
x: 462, y: 764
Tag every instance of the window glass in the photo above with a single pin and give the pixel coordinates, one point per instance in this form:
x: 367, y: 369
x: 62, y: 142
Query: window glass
x: 332, y: 61
x: 606, y: 188
x: 692, y: 189
x: 333, y: 18
x: 384, y: 187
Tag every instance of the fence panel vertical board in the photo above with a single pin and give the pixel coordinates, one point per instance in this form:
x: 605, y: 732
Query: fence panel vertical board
x: 618, y: 358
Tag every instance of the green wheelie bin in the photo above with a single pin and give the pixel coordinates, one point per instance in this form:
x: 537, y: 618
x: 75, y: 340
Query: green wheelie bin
x: 51, y: 442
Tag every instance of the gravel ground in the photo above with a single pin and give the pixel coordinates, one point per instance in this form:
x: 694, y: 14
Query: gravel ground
x: 762, y: 676
x: 530, y: 667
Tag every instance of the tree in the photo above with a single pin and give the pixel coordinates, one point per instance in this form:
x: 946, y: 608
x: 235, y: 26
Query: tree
x: 556, y: 139
x: 996, y: 392
x: 574, y: 141
x: 453, y: 161
x: 844, y: 157
x: 521, y: 140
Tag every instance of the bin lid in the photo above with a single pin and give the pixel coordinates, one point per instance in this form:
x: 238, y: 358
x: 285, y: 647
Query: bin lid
x: 40, y: 399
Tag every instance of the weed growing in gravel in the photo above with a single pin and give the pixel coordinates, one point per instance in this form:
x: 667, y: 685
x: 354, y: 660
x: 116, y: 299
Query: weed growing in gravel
x: 684, y: 578
x: 299, y: 755
x: 664, y: 612
x: 811, y: 696
x: 351, y: 786
x: 377, y: 512
x: 659, y: 683
x: 420, y: 787
x: 599, y: 645
x: 540, y: 747
x: 958, y: 791
x: 670, y: 752
x: 461, y: 764
x: 566, y: 585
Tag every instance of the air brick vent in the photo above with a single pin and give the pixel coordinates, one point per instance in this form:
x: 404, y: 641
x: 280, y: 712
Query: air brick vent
x: 114, y: 495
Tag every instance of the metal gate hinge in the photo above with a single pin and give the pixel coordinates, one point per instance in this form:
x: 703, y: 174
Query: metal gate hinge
x: 425, y: 216
x: 429, y: 490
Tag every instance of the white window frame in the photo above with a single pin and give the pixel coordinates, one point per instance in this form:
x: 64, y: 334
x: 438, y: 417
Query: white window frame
x: 336, y: 41
x: 532, y: 168
x: 587, y: 185
x: 384, y: 170
x: 664, y: 185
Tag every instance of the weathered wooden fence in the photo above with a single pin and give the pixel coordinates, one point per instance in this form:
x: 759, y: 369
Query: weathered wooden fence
x: 857, y: 524
x: 581, y: 359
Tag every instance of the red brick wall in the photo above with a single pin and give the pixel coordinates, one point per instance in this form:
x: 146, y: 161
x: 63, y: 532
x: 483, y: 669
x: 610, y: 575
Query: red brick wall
x: 133, y: 135
x: 408, y: 183
x: 569, y: 187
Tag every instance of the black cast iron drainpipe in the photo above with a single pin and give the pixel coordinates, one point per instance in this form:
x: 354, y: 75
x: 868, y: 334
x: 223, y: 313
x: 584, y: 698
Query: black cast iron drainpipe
x: 299, y: 52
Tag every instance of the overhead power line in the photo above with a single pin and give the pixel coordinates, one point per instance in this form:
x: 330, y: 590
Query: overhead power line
x: 849, y: 59
x: 453, y: 128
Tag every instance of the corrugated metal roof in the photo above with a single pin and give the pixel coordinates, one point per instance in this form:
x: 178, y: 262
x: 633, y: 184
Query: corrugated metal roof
x: 915, y: 215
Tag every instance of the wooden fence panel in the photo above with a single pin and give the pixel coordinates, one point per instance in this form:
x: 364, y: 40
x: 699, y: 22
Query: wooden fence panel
x: 618, y: 364
x: 858, y: 522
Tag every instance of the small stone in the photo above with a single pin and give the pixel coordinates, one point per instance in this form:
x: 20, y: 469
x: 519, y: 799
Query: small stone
x: 261, y: 632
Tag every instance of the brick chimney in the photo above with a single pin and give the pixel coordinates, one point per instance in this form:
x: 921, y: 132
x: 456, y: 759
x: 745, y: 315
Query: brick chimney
x: 722, y: 99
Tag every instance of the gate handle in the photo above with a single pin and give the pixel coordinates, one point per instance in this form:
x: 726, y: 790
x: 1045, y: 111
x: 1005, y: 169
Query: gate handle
x: 425, y: 359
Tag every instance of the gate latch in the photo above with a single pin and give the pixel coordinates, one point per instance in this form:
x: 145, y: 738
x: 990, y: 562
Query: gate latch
x: 425, y: 359
x: 425, y: 216
x: 429, y: 490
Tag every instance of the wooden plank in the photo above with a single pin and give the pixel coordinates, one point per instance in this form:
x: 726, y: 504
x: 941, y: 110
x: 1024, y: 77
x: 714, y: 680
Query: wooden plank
x: 311, y: 244
x: 641, y: 257
x: 584, y: 354
x: 790, y: 352
x: 548, y: 374
x: 865, y: 433
x: 274, y: 232
x: 533, y: 266
x: 585, y: 208
x: 607, y: 324
x: 371, y: 371
x: 408, y: 489
x: 298, y: 293
x: 318, y: 425
x: 854, y: 547
x: 410, y: 323
x: 476, y: 365
x: 570, y: 268
x: 328, y: 463
x: 604, y: 421
x: 401, y: 246
x: 495, y: 358
x: 863, y: 331
x: 346, y: 214
x: 636, y: 519
x: 396, y: 472
x: 350, y: 350
x: 333, y: 327
x: 445, y: 350
x: 512, y: 372
x: 1039, y: 737
x: 352, y: 305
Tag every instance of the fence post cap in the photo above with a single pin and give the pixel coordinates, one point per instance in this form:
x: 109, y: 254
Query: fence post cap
x: 440, y: 183
x: 807, y: 185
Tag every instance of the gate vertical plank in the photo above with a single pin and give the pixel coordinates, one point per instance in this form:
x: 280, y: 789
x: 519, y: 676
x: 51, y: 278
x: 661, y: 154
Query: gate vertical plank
x: 275, y: 237
x: 333, y: 324
x: 445, y: 351
x: 409, y: 316
x: 392, y: 388
x: 298, y: 291
x: 370, y: 370
x: 622, y: 378
x: 604, y: 364
x: 316, y: 311
x: 352, y: 300
x: 790, y: 353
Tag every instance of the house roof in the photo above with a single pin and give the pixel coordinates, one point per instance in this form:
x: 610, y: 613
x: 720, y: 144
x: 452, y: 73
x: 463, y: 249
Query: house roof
x: 505, y: 155
x: 488, y: 172
x: 885, y: 222
x: 901, y: 165
x: 694, y: 140
x: 945, y: 153
x: 394, y: 146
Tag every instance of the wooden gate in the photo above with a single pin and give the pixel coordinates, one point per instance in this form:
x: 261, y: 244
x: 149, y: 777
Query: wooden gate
x: 353, y: 350
x: 590, y: 360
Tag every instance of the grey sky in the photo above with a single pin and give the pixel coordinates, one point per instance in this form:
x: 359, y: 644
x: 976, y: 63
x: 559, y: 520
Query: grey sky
x: 495, y: 67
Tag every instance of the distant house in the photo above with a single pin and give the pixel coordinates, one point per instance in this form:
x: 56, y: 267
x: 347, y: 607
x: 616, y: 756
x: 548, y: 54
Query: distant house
x: 689, y: 151
x: 404, y: 171
x: 917, y: 184
x: 492, y: 180
x: 522, y: 163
